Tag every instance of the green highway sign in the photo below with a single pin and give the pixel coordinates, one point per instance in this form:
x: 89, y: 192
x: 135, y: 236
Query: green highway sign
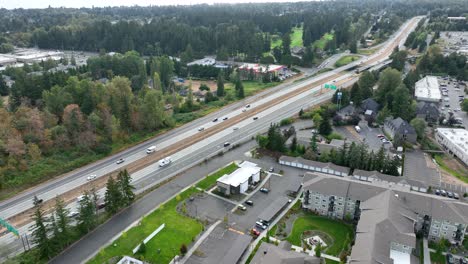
x: 330, y: 86
x: 9, y: 227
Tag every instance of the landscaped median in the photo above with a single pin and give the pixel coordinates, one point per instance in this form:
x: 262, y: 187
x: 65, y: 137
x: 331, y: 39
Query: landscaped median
x: 179, y: 230
x: 346, y: 60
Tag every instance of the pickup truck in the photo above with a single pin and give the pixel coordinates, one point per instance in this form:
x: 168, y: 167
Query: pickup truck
x: 164, y: 162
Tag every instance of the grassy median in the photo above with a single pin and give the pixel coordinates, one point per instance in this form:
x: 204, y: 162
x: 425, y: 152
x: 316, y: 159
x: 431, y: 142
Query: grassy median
x: 346, y: 60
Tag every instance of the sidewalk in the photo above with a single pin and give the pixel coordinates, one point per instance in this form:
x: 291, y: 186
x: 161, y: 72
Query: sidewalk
x: 309, y: 252
x: 199, y: 241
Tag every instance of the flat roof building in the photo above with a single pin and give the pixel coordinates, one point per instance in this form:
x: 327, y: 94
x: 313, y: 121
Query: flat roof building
x: 6, y: 60
x: 455, y: 141
x: 427, y: 89
x: 238, y: 182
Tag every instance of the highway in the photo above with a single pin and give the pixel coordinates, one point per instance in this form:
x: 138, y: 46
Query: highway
x: 207, y: 147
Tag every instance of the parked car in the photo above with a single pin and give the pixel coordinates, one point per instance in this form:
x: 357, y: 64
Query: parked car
x: 255, y: 232
x: 456, y: 196
x: 443, y: 193
x: 264, y: 222
x: 121, y: 160
x: 260, y: 225
x: 91, y: 177
x: 271, y: 169
x: 380, y: 136
x: 247, y: 106
x: 450, y: 259
x: 264, y: 190
x: 241, y: 207
x: 450, y: 194
x: 249, y: 202
x: 437, y: 192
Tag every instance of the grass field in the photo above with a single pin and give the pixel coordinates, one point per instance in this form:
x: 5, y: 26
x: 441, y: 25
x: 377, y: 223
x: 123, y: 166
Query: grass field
x: 323, y: 41
x: 250, y: 87
x: 346, y: 60
x: 275, y: 41
x: 437, y: 259
x: 340, y: 233
x: 366, y: 51
x: 179, y: 230
x: 452, y: 167
x: 211, y: 179
x: 296, y: 37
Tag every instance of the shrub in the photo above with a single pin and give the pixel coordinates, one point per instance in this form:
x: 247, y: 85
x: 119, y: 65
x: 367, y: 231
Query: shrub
x: 183, y: 249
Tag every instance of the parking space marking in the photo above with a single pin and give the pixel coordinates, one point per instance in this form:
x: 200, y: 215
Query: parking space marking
x: 236, y: 231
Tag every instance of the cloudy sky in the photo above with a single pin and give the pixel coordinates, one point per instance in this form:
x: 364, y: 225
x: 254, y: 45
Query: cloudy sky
x: 10, y: 4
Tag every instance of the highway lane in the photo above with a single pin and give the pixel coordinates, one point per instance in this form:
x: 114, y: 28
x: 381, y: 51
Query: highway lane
x: 207, y: 119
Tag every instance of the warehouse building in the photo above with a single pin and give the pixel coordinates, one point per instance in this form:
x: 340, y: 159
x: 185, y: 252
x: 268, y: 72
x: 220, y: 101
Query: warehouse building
x: 427, y: 89
x: 238, y: 182
x: 454, y: 141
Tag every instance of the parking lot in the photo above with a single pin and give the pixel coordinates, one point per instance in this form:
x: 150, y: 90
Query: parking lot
x: 452, y: 93
x: 367, y: 135
x: 416, y: 169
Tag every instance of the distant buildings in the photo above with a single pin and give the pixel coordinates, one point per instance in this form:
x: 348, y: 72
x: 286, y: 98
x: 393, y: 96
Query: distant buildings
x: 399, y: 129
x: 388, y: 216
x: 257, y: 71
x: 316, y: 166
x: 6, y: 60
x: 238, y: 182
x: 454, y: 141
x: 203, y: 62
x: 427, y: 89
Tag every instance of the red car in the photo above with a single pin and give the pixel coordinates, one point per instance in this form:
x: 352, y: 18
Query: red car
x: 380, y: 136
x: 255, y: 232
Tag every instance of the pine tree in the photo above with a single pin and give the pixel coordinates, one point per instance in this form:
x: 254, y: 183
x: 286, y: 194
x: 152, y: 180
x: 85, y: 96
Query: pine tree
x: 113, y: 197
x: 313, y: 143
x: 62, y: 222
x: 325, y: 127
x: 40, y: 231
x: 220, y: 85
x: 294, y: 144
x: 379, y: 161
x: 125, y: 187
x: 87, y: 214
x: 239, y: 88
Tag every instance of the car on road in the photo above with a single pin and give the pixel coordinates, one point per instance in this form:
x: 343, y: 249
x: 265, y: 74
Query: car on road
x: 73, y: 214
x: 91, y: 177
x: 226, y: 144
x: 271, y: 169
x: 243, y: 110
x: 242, y: 207
x: 255, y: 232
x: 264, y: 190
x: 380, y: 136
x: 235, y: 128
x: 225, y: 118
x: 201, y: 128
x: 215, y: 120
x: 164, y: 162
x: 39, y: 200
x: 80, y: 198
x: 247, y: 106
x: 255, y: 118
x: 121, y: 160
x: 249, y: 202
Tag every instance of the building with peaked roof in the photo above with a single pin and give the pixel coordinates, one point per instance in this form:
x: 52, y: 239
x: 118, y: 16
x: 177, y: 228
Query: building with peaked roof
x: 399, y: 129
x: 370, y: 104
x: 257, y: 71
x: 427, y: 89
x: 281, y: 254
x: 388, y: 216
x: 454, y: 141
x: 238, y: 182
x: 316, y: 166
x: 428, y: 111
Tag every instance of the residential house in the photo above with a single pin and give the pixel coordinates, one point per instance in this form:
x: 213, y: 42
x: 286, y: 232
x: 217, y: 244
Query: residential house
x: 346, y: 113
x: 428, y: 111
x: 399, y: 129
x: 369, y: 108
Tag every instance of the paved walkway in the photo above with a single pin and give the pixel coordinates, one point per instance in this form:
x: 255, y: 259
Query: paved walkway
x: 309, y: 252
x: 427, y: 254
x: 199, y: 241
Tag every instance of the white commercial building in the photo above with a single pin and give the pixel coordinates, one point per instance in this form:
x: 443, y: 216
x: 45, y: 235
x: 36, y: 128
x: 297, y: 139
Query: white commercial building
x: 238, y: 182
x: 427, y: 89
x: 455, y: 141
x: 6, y: 60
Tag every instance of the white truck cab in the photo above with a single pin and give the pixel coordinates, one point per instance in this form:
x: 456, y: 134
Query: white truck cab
x: 150, y: 149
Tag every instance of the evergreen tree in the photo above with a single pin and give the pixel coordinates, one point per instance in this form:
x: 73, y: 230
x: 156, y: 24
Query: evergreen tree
x: 325, y: 127
x: 379, y: 161
x: 401, y: 103
x: 62, y: 223
x: 356, y: 94
x: 366, y: 83
x: 220, y: 85
x: 40, y: 231
x: 313, y: 143
x: 113, y: 197
x: 239, y: 88
x: 4, y: 90
x: 286, y: 44
x: 293, y: 146
x: 87, y: 214
x: 125, y: 187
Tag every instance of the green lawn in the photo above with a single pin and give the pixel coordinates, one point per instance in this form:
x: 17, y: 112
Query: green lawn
x: 366, y: 51
x: 275, y: 41
x: 323, y: 41
x: 210, y: 180
x: 437, y: 259
x: 346, y: 60
x: 296, y: 37
x: 250, y: 87
x: 340, y: 233
x: 179, y: 230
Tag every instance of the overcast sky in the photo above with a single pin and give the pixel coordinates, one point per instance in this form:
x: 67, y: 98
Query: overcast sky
x: 10, y: 4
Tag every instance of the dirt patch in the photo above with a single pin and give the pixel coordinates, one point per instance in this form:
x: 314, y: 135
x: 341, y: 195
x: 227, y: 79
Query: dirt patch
x: 196, y: 85
x: 456, y: 166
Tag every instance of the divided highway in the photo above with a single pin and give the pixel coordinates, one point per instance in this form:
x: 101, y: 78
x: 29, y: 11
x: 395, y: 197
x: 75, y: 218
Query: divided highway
x: 269, y: 106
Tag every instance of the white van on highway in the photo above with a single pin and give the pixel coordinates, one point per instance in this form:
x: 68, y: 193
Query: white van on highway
x: 150, y: 149
x: 164, y: 162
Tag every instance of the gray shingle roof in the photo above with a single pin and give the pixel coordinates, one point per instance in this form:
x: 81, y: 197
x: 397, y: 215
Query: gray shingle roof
x: 237, y: 249
x: 271, y: 254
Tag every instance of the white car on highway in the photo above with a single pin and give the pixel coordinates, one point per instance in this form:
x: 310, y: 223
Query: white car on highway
x: 91, y: 177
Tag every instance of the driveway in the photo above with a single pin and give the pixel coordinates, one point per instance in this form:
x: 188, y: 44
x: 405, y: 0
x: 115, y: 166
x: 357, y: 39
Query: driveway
x: 416, y: 169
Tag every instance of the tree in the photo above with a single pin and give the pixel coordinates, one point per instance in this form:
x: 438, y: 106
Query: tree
x: 313, y: 143
x: 366, y: 83
x: 40, y: 231
x: 356, y: 94
x: 142, y: 248
x: 220, y: 85
x: 87, y: 214
x: 318, y: 250
x: 113, y: 197
x: 325, y: 127
x: 293, y: 146
x: 63, y: 223
x: 379, y: 161
x: 165, y: 68
x: 125, y: 187
x: 317, y: 119
x: 73, y: 60
x: 420, y: 126
x: 152, y: 110
x: 401, y: 103
x: 398, y: 59
x: 286, y: 44
x: 388, y: 81
x: 353, y: 47
x: 183, y: 249
x: 4, y: 90
x: 239, y: 88
x: 464, y: 105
